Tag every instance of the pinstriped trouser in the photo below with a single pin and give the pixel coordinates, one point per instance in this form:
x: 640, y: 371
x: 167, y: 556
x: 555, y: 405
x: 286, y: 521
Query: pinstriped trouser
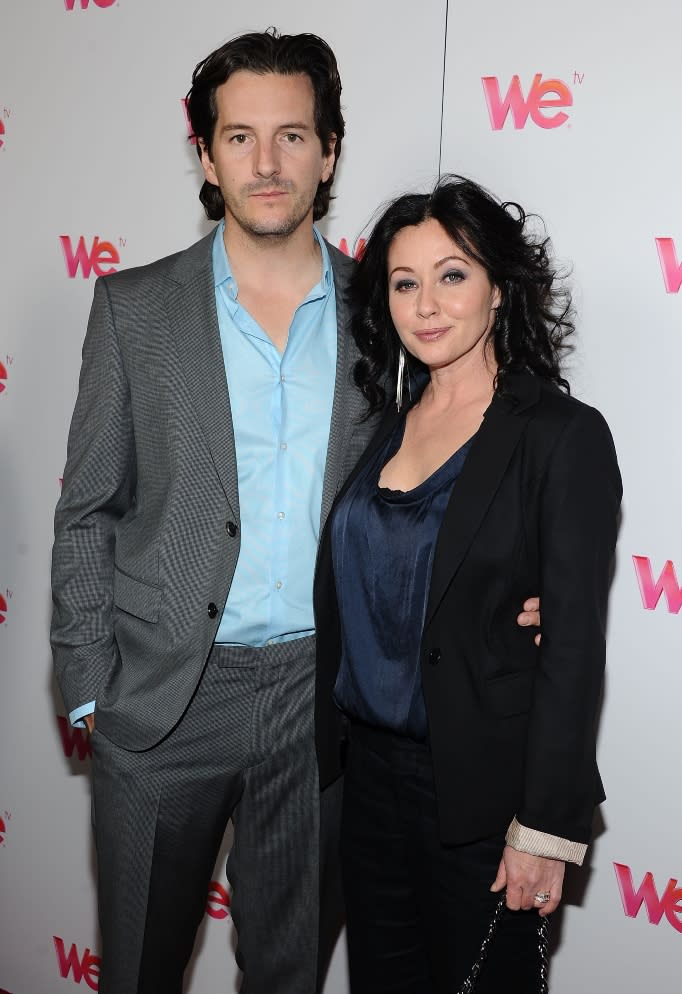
x: 244, y: 750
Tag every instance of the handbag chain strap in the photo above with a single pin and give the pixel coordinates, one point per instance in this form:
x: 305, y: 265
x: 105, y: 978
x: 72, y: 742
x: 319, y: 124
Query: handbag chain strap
x: 469, y: 985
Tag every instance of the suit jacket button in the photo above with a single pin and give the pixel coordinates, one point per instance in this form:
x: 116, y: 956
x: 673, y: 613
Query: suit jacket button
x: 212, y: 610
x: 231, y: 529
x: 434, y: 657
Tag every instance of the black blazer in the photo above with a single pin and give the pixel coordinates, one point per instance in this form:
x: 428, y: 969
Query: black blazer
x: 512, y: 727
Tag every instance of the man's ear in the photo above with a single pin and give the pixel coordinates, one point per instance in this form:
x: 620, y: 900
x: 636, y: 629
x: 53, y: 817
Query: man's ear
x: 207, y: 162
x: 329, y: 158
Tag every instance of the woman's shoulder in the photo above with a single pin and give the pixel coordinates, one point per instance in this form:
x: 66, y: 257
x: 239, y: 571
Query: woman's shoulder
x: 565, y: 405
x: 573, y: 432
x: 550, y: 403
x: 557, y: 421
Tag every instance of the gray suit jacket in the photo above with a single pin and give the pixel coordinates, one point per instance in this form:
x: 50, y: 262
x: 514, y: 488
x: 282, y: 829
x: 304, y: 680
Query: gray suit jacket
x: 147, y: 530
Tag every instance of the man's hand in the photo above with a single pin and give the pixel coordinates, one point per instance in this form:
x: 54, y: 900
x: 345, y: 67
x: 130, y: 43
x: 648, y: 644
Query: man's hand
x: 531, y: 616
x: 89, y: 720
x: 524, y: 876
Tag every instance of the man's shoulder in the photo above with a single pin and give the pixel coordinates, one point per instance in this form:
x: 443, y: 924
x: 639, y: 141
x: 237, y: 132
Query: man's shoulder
x: 342, y: 264
x: 179, y: 267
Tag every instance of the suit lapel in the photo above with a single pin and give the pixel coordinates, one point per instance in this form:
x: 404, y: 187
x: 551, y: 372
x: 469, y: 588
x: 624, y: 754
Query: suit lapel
x: 473, y: 492
x: 348, y: 402
x: 382, y: 432
x: 193, y: 320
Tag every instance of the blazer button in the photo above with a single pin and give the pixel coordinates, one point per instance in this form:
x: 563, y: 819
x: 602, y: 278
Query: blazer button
x: 434, y: 657
x: 231, y: 529
x: 212, y: 610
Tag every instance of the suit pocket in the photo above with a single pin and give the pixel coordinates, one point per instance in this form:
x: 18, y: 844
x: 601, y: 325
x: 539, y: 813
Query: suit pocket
x: 510, y: 694
x: 135, y: 597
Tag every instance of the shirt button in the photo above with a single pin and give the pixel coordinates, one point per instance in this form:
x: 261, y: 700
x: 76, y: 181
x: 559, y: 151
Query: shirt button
x: 212, y: 610
x: 283, y: 379
x: 278, y: 585
x: 434, y: 657
x: 281, y: 515
x: 283, y: 446
x: 231, y: 529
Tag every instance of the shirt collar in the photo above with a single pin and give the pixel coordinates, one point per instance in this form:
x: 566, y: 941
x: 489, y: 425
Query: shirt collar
x: 222, y: 273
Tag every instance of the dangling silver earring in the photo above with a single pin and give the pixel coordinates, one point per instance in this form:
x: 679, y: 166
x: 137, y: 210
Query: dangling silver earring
x: 401, y: 377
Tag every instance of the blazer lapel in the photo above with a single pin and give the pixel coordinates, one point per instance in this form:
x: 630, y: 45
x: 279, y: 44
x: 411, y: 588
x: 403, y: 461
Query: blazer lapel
x: 475, y: 488
x: 383, y: 430
x: 193, y: 320
x: 348, y: 402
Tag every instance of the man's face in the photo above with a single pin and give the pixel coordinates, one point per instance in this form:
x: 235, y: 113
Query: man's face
x: 266, y: 158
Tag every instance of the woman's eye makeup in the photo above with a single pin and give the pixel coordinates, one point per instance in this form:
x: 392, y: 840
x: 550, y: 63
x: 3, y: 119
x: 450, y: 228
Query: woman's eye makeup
x: 404, y: 284
x: 453, y: 276
x: 450, y: 276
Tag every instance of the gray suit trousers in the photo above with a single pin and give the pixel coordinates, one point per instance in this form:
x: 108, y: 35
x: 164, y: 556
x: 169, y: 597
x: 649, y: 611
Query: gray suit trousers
x: 244, y: 750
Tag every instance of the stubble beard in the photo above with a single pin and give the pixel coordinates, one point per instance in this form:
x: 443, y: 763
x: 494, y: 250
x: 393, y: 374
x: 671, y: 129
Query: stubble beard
x: 263, y: 227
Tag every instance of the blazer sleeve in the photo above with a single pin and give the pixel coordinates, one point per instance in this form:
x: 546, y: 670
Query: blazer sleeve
x: 98, y: 489
x: 579, y: 501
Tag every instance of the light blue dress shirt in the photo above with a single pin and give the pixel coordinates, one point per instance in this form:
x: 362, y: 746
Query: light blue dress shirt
x: 281, y: 412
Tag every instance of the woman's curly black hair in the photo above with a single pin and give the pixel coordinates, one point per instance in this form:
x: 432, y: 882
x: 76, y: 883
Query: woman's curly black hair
x: 533, y: 319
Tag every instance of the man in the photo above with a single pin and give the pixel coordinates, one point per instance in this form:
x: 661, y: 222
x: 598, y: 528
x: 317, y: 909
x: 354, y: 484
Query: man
x: 214, y: 424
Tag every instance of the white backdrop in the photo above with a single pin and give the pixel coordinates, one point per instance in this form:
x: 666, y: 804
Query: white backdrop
x: 93, y: 144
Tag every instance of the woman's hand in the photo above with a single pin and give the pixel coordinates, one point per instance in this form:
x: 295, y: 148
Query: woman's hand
x: 524, y: 876
x: 531, y: 616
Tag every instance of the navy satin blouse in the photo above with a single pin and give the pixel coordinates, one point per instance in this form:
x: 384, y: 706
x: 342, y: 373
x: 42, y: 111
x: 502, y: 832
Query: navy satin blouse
x: 383, y: 543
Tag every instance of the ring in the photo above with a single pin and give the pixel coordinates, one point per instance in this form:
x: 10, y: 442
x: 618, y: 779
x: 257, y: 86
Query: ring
x: 543, y: 896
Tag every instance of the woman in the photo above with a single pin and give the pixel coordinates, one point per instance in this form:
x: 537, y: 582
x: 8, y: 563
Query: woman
x: 471, y: 751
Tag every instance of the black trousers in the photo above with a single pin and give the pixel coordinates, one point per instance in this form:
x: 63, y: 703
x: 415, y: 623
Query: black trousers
x: 417, y: 911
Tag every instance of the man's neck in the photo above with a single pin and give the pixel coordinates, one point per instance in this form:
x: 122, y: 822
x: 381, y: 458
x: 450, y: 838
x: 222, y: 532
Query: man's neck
x: 274, y: 275
x: 281, y: 261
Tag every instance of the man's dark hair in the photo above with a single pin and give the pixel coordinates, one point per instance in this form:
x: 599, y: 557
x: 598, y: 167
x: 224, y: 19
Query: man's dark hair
x: 534, y: 317
x: 268, y: 52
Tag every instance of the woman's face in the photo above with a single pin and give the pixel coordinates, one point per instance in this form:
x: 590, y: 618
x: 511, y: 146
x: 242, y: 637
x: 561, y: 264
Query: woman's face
x: 441, y: 301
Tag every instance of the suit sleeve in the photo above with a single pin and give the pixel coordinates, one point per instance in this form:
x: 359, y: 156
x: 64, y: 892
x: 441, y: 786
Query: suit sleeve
x: 579, y: 502
x: 98, y: 490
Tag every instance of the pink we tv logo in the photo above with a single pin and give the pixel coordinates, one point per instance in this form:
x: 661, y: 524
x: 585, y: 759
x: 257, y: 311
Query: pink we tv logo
x: 218, y: 902
x: 188, y: 124
x: 80, y: 966
x: 357, y: 252
x: 84, y: 4
x: 5, y: 115
x: 672, y: 269
x: 74, y: 740
x: 542, y: 104
x: 666, y: 585
x: 100, y: 258
x: 669, y: 903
